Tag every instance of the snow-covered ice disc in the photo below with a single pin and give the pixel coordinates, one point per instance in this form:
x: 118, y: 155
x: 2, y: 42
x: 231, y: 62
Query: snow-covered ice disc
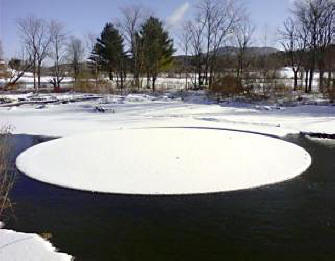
x: 164, y: 161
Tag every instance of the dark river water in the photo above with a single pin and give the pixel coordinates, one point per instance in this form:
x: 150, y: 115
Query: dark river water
x: 293, y: 220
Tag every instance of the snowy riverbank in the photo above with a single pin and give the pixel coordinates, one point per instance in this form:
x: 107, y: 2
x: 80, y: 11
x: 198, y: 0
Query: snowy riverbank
x: 135, y: 111
x: 27, y: 246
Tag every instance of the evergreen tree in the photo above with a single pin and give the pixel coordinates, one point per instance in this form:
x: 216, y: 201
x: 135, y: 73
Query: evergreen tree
x: 109, y: 53
x: 157, y: 48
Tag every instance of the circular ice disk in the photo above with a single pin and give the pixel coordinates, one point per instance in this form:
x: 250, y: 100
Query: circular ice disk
x: 164, y: 161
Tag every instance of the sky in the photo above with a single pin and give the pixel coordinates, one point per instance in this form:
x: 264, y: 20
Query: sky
x: 89, y: 16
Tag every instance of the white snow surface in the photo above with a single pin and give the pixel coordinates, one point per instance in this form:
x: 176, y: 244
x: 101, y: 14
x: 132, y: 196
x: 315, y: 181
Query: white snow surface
x: 164, y: 161
x: 17, y: 246
x: 145, y: 111
x: 148, y: 111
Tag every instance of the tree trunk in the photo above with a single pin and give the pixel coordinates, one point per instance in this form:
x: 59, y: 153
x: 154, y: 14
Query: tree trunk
x: 199, y: 73
x: 96, y: 77
x: 211, y: 76
x: 137, y: 81
x: 57, y: 67
x: 121, y: 82
x: 34, y: 75
x: 39, y: 74
x: 186, y: 81
x: 311, y: 77
x: 239, y: 65
x: 58, y: 83
x: 329, y: 79
x: 295, y: 80
x: 306, y: 81
x: 54, y: 84
x: 153, y: 84
x: 148, y: 80
x: 321, y: 79
x: 117, y: 81
x: 207, y: 65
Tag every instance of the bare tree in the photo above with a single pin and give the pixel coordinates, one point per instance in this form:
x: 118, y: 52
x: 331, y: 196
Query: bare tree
x: 330, y: 67
x: 75, y: 55
x: 19, y: 65
x: 57, y: 52
x: 325, y: 39
x: 265, y: 35
x: 243, y: 33
x: 218, y: 18
x: 196, y: 29
x: 36, y: 39
x: 184, y: 43
x: 294, y: 44
x: 317, y: 19
x: 209, y: 15
x: 129, y: 26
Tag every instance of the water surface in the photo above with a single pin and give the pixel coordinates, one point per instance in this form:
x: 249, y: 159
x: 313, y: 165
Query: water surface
x: 293, y: 220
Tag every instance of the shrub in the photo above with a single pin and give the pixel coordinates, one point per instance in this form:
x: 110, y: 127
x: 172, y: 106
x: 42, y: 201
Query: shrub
x: 331, y: 93
x: 6, y: 178
x: 227, y: 86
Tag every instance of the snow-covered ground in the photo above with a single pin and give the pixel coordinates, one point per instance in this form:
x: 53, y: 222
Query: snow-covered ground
x: 135, y: 111
x: 28, y: 77
x: 16, y: 246
x: 27, y: 81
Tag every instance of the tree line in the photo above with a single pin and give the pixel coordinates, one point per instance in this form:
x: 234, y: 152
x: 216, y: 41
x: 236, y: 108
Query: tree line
x: 216, y: 23
x: 43, y: 40
x: 137, y: 46
x: 150, y: 50
x: 137, y: 43
x: 308, y: 40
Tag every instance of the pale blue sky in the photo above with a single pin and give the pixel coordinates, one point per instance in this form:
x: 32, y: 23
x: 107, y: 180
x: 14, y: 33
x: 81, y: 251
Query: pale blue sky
x: 84, y: 16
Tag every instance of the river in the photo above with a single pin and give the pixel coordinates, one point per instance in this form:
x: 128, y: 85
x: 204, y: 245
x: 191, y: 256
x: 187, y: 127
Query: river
x: 293, y: 220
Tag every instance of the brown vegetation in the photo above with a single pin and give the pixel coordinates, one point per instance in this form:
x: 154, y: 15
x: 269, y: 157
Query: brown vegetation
x: 227, y: 86
x: 6, y: 178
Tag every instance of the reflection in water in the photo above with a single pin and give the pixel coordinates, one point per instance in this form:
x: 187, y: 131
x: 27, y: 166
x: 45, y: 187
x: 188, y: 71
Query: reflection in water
x: 290, y: 220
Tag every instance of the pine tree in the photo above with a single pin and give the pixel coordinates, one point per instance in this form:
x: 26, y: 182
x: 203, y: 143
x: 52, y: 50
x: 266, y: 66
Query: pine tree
x: 110, y: 51
x: 157, y: 48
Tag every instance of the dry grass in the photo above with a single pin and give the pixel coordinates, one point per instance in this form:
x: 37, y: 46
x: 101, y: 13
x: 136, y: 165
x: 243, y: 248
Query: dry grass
x: 6, y: 178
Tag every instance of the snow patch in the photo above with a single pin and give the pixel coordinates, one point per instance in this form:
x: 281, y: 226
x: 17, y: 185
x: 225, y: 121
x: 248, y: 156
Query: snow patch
x: 28, y: 247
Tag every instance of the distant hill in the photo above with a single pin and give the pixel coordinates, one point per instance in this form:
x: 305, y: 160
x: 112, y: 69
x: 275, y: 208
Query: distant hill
x: 256, y: 51
x: 232, y: 51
